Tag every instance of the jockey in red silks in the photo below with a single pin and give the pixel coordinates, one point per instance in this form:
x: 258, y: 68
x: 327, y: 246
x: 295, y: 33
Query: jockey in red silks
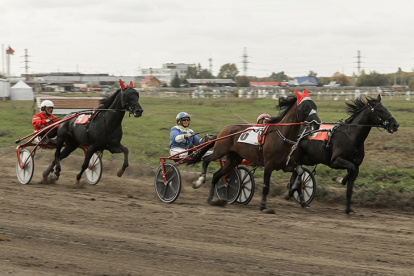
x: 45, y: 118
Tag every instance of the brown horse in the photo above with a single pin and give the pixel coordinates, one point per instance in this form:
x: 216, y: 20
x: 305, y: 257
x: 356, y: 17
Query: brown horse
x: 276, y: 149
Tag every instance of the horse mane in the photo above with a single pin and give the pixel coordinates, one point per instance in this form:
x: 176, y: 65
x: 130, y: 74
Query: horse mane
x: 106, y: 102
x: 356, y: 106
x: 285, y: 104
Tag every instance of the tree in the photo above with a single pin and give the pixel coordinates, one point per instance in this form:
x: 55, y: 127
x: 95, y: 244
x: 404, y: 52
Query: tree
x: 228, y: 71
x: 176, y: 81
x: 278, y: 76
x: 206, y: 74
x: 243, y: 81
x: 411, y: 84
x: 340, y: 78
x: 197, y: 72
x: 373, y: 79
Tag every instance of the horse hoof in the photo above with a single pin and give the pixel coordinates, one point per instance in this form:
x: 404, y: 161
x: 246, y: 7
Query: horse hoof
x: 305, y: 205
x: 220, y: 202
x: 198, y: 183
x: 119, y: 172
x: 338, y: 179
x: 268, y: 211
x: 50, y: 180
x: 351, y: 213
x: 286, y: 196
x: 55, y: 177
x: 76, y: 182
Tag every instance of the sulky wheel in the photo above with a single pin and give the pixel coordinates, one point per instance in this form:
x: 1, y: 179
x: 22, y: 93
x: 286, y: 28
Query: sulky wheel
x: 247, y: 187
x: 25, y: 175
x: 231, y: 190
x: 94, y: 171
x: 308, y: 187
x: 169, y: 191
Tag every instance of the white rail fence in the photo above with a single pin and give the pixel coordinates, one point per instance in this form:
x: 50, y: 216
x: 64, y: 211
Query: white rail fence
x: 275, y: 93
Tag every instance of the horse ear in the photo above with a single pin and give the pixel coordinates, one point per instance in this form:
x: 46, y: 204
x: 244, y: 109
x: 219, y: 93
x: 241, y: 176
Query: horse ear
x: 379, y: 98
x: 297, y: 93
x: 131, y: 84
x: 305, y: 92
x: 299, y: 97
x: 122, y: 84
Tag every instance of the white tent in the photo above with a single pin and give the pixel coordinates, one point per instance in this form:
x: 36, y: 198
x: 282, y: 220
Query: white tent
x: 21, y: 92
x: 4, y: 88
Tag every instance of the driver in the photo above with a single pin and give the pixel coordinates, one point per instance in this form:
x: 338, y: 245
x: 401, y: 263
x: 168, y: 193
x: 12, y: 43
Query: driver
x: 45, y: 118
x: 263, y: 118
x: 182, y: 136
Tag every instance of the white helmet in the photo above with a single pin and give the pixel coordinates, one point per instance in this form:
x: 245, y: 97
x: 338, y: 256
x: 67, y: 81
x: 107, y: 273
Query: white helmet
x: 46, y: 103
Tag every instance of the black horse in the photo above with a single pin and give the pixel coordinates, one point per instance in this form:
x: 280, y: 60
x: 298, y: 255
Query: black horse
x: 104, y: 132
x: 276, y: 151
x: 345, y: 149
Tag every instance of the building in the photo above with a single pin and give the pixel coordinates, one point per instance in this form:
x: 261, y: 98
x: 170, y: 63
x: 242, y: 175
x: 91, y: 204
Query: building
x: 150, y: 81
x: 209, y: 82
x: 167, y: 72
x: 304, y: 81
x: 266, y: 83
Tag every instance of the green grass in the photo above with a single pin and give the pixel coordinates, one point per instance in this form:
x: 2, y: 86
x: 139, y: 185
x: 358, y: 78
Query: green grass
x: 388, y: 164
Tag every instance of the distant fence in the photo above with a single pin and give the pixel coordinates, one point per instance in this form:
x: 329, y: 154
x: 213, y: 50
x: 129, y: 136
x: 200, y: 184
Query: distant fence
x: 274, y: 93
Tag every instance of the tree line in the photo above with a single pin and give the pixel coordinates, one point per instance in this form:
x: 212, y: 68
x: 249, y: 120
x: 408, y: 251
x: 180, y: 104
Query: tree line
x: 230, y: 71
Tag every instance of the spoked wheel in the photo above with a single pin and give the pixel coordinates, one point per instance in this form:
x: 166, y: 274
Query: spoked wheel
x: 94, y: 171
x: 247, y: 187
x: 25, y: 175
x: 231, y: 190
x: 169, y: 191
x: 308, y: 187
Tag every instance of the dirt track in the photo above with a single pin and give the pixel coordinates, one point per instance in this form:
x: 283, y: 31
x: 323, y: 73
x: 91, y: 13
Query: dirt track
x: 119, y: 227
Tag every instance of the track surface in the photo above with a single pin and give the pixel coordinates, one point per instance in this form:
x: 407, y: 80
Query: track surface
x: 119, y: 227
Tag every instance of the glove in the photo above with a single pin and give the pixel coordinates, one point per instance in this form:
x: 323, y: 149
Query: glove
x: 191, y: 134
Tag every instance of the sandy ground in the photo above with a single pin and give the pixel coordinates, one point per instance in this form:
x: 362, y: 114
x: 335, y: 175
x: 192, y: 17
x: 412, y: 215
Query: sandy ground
x: 119, y: 227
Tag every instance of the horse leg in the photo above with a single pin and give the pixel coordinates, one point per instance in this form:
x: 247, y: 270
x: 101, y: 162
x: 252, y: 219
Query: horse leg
x: 91, y: 150
x: 232, y: 160
x: 49, y: 169
x: 118, y: 149
x: 353, y: 171
x: 267, y: 174
x: 352, y: 177
x: 297, y: 186
x: 69, y: 148
x: 203, y: 173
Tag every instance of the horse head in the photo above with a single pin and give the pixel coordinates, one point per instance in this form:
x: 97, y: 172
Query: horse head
x: 381, y: 115
x: 130, y: 98
x: 307, y: 109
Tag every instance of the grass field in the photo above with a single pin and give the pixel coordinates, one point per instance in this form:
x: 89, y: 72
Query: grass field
x: 387, y: 168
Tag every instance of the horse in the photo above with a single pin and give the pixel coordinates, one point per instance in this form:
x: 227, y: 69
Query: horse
x: 293, y: 110
x: 103, y: 132
x: 345, y: 149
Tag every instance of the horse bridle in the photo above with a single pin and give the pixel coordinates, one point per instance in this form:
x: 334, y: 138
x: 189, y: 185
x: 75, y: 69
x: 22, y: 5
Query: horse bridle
x: 386, y: 123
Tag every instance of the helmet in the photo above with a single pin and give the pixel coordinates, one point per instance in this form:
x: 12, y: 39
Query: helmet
x: 263, y: 116
x: 46, y: 103
x: 181, y: 115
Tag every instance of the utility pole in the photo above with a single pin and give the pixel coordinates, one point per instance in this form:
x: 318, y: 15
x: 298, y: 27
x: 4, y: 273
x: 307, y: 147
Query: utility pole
x: 211, y: 65
x: 26, y: 61
x: 2, y: 58
x: 245, y: 62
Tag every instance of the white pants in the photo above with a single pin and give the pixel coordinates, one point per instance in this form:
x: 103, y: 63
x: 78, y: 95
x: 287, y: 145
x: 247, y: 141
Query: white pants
x: 178, y: 150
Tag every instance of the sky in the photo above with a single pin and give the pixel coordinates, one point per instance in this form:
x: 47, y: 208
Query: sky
x: 295, y: 36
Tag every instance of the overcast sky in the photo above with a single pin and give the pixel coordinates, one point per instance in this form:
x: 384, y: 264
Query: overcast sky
x: 295, y: 36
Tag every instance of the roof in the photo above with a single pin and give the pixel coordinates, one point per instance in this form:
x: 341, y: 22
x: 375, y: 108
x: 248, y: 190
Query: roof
x: 306, y: 79
x: 147, y: 79
x: 21, y: 84
x: 210, y: 81
x: 267, y: 83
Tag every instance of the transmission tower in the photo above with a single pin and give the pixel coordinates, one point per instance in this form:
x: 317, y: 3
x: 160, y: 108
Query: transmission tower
x: 359, y: 62
x: 211, y: 65
x: 26, y: 61
x: 245, y: 62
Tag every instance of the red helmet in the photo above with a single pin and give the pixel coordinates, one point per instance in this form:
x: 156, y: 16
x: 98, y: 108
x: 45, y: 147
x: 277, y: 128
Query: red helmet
x: 263, y: 116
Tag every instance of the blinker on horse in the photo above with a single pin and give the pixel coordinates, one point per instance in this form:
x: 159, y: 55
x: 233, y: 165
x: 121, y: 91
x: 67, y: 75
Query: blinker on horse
x: 104, y: 132
x: 346, y: 150
x: 293, y: 110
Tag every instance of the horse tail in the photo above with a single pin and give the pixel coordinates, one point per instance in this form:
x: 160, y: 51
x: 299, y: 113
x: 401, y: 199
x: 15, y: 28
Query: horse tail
x: 198, y: 155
